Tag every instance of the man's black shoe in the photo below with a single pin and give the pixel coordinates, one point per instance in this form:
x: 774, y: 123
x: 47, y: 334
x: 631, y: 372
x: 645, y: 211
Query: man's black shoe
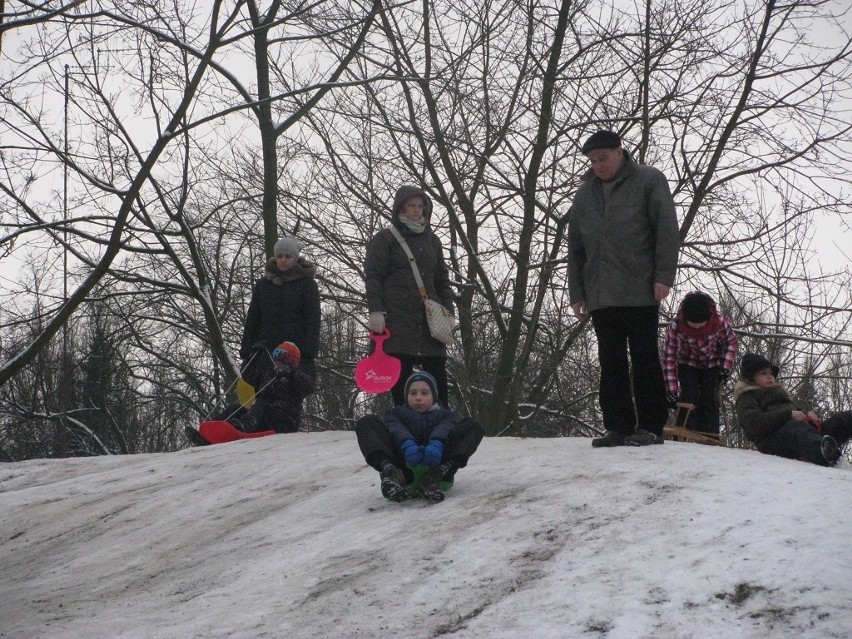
x: 643, y: 437
x: 610, y: 438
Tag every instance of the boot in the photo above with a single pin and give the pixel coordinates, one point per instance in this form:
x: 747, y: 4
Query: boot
x: 610, y: 438
x: 194, y: 437
x: 430, y: 487
x: 830, y: 450
x: 393, y: 483
x: 643, y: 437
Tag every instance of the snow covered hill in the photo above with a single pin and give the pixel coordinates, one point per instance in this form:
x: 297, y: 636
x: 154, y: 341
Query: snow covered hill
x: 288, y: 536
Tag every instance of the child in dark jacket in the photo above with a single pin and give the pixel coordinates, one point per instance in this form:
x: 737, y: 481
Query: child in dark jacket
x: 416, y: 435
x: 281, y: 386
x: 777, y: 426
x: 698, y: 356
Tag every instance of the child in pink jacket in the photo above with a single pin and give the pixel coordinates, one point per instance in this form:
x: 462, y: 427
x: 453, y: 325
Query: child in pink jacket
x: 698, y: 356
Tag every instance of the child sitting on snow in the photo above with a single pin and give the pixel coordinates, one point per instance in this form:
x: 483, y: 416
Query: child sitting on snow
x: 698, y: 356
x: 777, y: 426
x: 280, y: 388
x: 420, y: 436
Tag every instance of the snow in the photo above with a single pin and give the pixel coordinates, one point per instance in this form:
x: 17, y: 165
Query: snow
x: 288, y: 536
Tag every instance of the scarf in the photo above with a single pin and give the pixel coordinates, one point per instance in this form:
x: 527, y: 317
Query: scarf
x: 415, y: 226
x: 711, y: 326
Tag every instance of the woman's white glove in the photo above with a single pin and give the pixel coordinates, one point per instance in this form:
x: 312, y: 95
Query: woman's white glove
x: 376, y: 322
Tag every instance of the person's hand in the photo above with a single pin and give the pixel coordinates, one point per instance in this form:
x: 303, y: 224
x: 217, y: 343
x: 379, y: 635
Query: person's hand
x: 433, y: 453
x: 284, y: 371
x: 259, y: 346
x: 812, y: 416
x: 798, y: 416
x: 724, y: 375
x: 412, y: 453
x: 661, y: 291
x: 671, y: 399
x: 580, y: 310
x: 376, y: 322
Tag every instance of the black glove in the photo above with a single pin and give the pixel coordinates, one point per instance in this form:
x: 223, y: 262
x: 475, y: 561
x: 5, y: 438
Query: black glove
x: 284, y: 371
x: 724, y: 375
x: 259, y: 345
x: 671, y: 399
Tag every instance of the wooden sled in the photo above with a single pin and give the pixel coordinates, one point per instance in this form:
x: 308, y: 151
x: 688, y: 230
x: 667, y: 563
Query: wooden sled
x: 680, y: 433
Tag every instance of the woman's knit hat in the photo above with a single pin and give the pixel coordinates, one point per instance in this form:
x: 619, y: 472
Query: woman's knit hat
x: 752, y: 364
x: 696, y: 307
x: 422, y: 376
x: 287, y: 246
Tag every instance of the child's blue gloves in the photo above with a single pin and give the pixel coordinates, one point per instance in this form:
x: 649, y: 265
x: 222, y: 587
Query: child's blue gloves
x: 433, y: 452
x: 412, y: 453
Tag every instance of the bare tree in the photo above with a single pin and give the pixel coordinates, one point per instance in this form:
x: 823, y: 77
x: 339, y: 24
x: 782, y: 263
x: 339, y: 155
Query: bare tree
x: 195, y: 137
x: 715, y: 99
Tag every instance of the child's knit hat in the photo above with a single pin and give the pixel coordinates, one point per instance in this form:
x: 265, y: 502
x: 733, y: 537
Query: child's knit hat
x: 422, y: 376
x: 287, y: 353
x: 752, y: 364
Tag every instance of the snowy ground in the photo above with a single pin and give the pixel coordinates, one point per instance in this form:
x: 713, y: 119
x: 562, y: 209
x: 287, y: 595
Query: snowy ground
x: 288, y: 536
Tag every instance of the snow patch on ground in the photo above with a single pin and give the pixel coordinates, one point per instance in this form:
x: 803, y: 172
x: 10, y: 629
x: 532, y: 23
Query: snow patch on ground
x: 288, y: 536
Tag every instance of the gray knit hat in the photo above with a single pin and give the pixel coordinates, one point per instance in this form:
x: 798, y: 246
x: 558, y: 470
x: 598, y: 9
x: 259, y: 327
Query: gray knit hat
x: 423, y: 376
x: 287, y: 246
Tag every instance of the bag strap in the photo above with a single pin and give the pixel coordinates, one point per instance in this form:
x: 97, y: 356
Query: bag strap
x: 412, y: 262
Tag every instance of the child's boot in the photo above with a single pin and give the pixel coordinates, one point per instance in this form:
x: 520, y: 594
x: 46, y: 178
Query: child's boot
x: 430, y: 488
x: 393, y: 483
x: 830, y: 450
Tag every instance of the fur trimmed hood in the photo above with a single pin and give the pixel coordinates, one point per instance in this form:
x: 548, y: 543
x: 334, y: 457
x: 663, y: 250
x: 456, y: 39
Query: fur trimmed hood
x: 303, y: 268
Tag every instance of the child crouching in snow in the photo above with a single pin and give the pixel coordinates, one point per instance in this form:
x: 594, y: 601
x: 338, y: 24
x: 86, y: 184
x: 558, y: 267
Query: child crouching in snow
x: 698, y: 356
x: 420, y: 435
x: 777, y: 426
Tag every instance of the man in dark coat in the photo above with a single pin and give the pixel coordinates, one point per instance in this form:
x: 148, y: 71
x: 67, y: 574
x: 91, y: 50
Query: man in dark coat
x: 393, y: 299
x: 622, y: 258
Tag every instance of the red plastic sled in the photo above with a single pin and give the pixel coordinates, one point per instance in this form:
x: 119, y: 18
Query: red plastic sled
x: 378, y: 372
x: 221, y: 432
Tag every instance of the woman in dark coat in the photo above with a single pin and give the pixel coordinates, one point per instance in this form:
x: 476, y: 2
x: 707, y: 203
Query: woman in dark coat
x: 284, y: 307
x: 393, y: 300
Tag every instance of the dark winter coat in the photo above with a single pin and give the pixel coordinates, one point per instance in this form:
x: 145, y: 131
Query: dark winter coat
x: 618, y: 249
x: 405, y: 423
x: 285, y: 307
x: 279, y: 405
x: 762, y: 411
x: 392, y: 289
x: 278, y: 402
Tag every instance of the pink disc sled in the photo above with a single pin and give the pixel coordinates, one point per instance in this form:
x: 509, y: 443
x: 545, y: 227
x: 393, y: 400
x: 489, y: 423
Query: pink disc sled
x: 378, y: 372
